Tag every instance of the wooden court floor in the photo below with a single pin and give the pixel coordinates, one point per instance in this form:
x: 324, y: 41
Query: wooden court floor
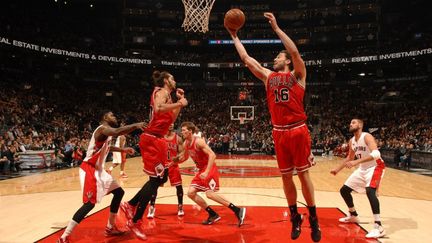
x: 34, y: 206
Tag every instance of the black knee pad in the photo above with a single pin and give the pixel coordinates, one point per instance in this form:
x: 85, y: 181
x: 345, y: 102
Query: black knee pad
x: 115, y: 203
x: 83, y: 211
x: 165, y: 177
x: 373, y: 200
x: 370, y: 192
x: 155, y: 182
x: 118, y: 192
x: 345, y: 190
x: 179, y: 190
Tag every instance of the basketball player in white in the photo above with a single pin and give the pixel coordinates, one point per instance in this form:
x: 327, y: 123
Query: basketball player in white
x: 95, y: 181
x: 119, y: 158
x: 363, y: 151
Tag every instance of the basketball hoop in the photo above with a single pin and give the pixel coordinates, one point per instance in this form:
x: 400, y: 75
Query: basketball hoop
x: 197, y: 14
x: 242, y: 120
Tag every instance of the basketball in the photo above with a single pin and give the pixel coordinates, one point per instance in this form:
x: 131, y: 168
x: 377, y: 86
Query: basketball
x: 234, y: 19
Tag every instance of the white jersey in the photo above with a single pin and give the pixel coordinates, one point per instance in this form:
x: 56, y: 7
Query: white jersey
x: 97, y: 152
x: 361, y: 150
x: 117, y: 156
x: 93, y: 177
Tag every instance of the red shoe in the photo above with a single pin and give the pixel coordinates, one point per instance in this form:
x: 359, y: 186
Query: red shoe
x: 128, y: 210
x: 136, y: 229
x: 114, y: 231
x: 124, y: 175
x: 61, y: 240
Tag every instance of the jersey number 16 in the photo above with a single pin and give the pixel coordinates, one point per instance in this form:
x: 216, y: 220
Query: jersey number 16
x: 281, y: 95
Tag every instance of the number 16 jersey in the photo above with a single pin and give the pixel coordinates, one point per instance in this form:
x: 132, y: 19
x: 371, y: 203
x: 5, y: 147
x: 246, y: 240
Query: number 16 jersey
x: 285, y: 99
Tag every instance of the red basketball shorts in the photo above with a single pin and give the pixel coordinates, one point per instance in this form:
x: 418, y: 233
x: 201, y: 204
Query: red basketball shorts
x: 209, y: 183
x: 293, y: 148
x: 153, y: 152
x: 174, y: 175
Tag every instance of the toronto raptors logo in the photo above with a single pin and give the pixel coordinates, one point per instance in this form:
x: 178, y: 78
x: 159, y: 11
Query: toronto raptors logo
x: 89, y: 195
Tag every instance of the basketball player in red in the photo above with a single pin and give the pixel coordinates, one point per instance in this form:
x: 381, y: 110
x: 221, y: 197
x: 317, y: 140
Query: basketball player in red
x: 153, y: 147
x: 285, y: 90
x: 207, y: 178
x: 95, y: 181
x: 363, y: 151
x: 175, y: 145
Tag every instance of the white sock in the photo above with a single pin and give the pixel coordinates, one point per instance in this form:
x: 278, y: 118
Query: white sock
x: 121, y: 172
x: 111, y: 220
x: 69, y: 229
x: 111, y: 168
x: 377, y: 217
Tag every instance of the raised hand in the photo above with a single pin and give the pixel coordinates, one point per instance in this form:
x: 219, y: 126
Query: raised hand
x: 272, y: 20
x: 183, y: 102
x: 179, y: 93
x: 232, y: 32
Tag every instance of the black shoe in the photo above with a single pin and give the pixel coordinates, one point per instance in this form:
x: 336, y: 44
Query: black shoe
x: 315, y: 229
x: 211, y: 219
x: 241, y: 215
x: 296, y: 222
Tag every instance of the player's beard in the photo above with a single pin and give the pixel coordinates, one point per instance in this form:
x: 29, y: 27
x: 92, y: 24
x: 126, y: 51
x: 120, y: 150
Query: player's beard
x: 354, y: 129
x: 113, y: 123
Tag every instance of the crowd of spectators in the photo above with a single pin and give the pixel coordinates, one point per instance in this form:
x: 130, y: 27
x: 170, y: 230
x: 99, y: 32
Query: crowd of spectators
x: 61, y: 117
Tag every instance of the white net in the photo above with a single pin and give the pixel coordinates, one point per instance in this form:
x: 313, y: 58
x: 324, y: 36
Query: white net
x: 197, y: 14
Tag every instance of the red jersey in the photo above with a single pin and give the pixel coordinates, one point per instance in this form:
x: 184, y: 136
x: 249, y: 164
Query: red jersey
x: 198, y: 156
x: 159, y: 121
x: 172, y: 148
x: 285, y: 99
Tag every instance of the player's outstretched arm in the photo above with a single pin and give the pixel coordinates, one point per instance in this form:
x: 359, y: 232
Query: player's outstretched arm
x: 182, y: 155
x: 254, y: 66
x: 109, y: 131
x: 298, y: 63
x: 127, y: 150
x: 350, y: 157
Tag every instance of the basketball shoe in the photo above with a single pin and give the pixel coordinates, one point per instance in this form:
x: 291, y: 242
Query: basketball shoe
x: 377, y: 232
x: 61, y: 240
x: 136, y: 229
x: 151, y: 212
x: 127, y: 209
x: 180, y: 211
x: 113, y: 231
x: 349, y: 219
x: 241, y: 215
x: 296, y: 222
x: 315, y: 229
x: 211, y: 219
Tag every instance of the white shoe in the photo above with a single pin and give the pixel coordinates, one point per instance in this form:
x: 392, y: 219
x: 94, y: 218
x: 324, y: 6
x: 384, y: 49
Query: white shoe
x: 377, y: 232
x: 349, y: 219
x: 151, y: 212
x: 180, y: 211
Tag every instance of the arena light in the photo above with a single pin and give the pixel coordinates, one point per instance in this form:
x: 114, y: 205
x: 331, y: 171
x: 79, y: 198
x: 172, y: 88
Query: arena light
x: 361, y: 74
